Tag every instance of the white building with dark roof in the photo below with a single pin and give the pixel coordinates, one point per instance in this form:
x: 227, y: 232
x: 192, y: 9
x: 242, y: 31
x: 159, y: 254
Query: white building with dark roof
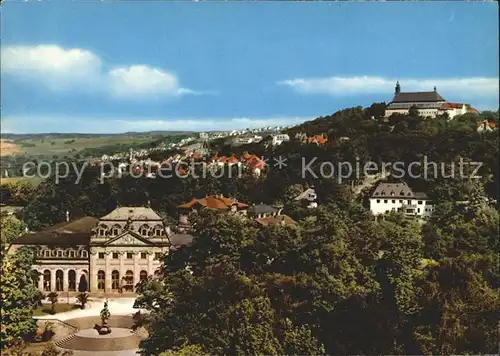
x: 428, y: 103
x: 399, y: 197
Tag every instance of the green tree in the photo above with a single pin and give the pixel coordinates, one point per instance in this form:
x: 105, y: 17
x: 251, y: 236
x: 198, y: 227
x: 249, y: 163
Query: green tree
x: 52, y: 298
x: 20, y: 297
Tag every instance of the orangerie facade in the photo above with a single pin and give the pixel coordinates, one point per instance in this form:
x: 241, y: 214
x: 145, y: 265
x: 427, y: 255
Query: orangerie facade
x: 107, y: 255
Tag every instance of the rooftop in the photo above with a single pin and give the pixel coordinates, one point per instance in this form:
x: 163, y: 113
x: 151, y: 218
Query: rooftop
x: 133, y: 213
x: 422, y: 96
x: 76, y: 232
x: 396, y: 190
x: 282, y: 220
x: 262, y: 209
x: 214, y: 202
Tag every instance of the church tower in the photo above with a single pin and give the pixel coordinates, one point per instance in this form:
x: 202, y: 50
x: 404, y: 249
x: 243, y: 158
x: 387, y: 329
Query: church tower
x: 398, y: 88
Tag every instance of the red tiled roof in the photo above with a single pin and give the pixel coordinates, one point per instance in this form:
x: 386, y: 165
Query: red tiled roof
x: 449, y: 106
x: 214, y: 202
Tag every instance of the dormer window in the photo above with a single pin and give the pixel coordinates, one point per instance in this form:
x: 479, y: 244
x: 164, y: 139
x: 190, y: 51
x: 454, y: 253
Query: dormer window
x: 101, y: 232
x: 144, y: 230
x: 59, y: 253
x: 392, y: 193
x: 46, y: 253
x: 114, y: 231
x: 72, y: 253
x: 84, y: 254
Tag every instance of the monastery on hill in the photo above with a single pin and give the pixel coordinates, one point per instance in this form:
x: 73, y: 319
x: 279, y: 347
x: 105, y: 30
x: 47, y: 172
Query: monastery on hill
x: 429, y: 104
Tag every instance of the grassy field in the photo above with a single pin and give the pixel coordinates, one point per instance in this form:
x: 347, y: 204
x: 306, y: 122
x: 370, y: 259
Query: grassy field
x: 14, y: 180
x: 46, y: 309
x: 46, y: 145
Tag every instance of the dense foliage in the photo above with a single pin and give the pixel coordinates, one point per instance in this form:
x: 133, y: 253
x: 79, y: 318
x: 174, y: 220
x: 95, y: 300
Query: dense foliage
x: 339, y: 282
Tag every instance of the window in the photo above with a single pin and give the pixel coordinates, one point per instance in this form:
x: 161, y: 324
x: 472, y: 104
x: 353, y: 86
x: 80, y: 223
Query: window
x: 84, y: 254
x: 101, y: 232
x: 393, y: 202
x: 101, y: 255
x: 115, y: 255
x: 401, y: 201
x: 158, y: 255
x: 130, y: 255
x: 420, y: 202
x: 144, y: 255
x: 46, y: 280
x: 59, y: 253
x: 101, y: 280
x: 143, y: 276
x: 378, y: 200
x: 143, y: 230
x: 59, y: 280
x: 418, y: 210
x: 409, y: 202
x: 115, y: 231
x: 72, y: 253
x: 115, y: 280
x: 385, y: 201
x: 46, y: 253
x: 71, y: 280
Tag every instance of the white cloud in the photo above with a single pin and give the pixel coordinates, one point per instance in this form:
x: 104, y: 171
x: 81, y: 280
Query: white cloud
x: 57, y: 68
x: 346, y: 86
x: 61, y: 69
x: 140, y: 80
x: 93, y: 124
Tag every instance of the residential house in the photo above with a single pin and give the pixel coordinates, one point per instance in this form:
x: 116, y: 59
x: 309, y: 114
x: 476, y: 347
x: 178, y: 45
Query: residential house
x: 399, y: 197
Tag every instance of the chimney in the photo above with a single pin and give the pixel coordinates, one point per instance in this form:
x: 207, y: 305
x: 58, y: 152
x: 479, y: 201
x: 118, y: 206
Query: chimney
x: 67, y: 215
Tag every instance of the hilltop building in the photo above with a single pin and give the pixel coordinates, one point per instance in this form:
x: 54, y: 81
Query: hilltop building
x: 399, y: 197
x: 107, y: 255
x: 429, y: 104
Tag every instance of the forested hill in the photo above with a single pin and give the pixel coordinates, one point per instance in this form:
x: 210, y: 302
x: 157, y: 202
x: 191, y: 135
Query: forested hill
x: 338, y: 281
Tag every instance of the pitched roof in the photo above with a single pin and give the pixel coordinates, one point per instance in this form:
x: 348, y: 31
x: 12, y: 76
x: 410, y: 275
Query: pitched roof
x: 282, y: 220
x: 133, y: 213
x: 261, y: 209
x: 308, y: 194
x: 214, y: 202
x: 178, y: 240
x: 449, y: 106
x: 421, y: 96
x: 396, y: 190
x: 76, y: 232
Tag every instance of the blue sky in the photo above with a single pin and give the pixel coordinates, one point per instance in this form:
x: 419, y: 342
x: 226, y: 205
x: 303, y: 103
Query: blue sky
x: 138, y: 66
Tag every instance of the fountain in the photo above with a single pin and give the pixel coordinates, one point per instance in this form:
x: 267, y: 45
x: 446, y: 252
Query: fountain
x: 104, y: 328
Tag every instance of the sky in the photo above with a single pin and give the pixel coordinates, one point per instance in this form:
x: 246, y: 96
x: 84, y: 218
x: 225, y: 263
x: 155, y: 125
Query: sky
x: 109, y: 67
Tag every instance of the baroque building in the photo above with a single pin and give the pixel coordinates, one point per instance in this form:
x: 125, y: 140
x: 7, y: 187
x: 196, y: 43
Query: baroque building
x: 104, y: 256
x: 428, y: 103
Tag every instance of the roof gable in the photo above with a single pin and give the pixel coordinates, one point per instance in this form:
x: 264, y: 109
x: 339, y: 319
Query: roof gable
x: 423, y: 96
x: 129, y: 238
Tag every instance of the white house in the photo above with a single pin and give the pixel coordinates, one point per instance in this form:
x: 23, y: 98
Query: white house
x: 310, y: 196
x: 280, y: 138
x: 399, y: 197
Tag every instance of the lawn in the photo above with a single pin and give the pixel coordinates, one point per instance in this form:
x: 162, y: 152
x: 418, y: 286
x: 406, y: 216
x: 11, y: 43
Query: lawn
x: 14, y: 180
x: 46, y: 309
